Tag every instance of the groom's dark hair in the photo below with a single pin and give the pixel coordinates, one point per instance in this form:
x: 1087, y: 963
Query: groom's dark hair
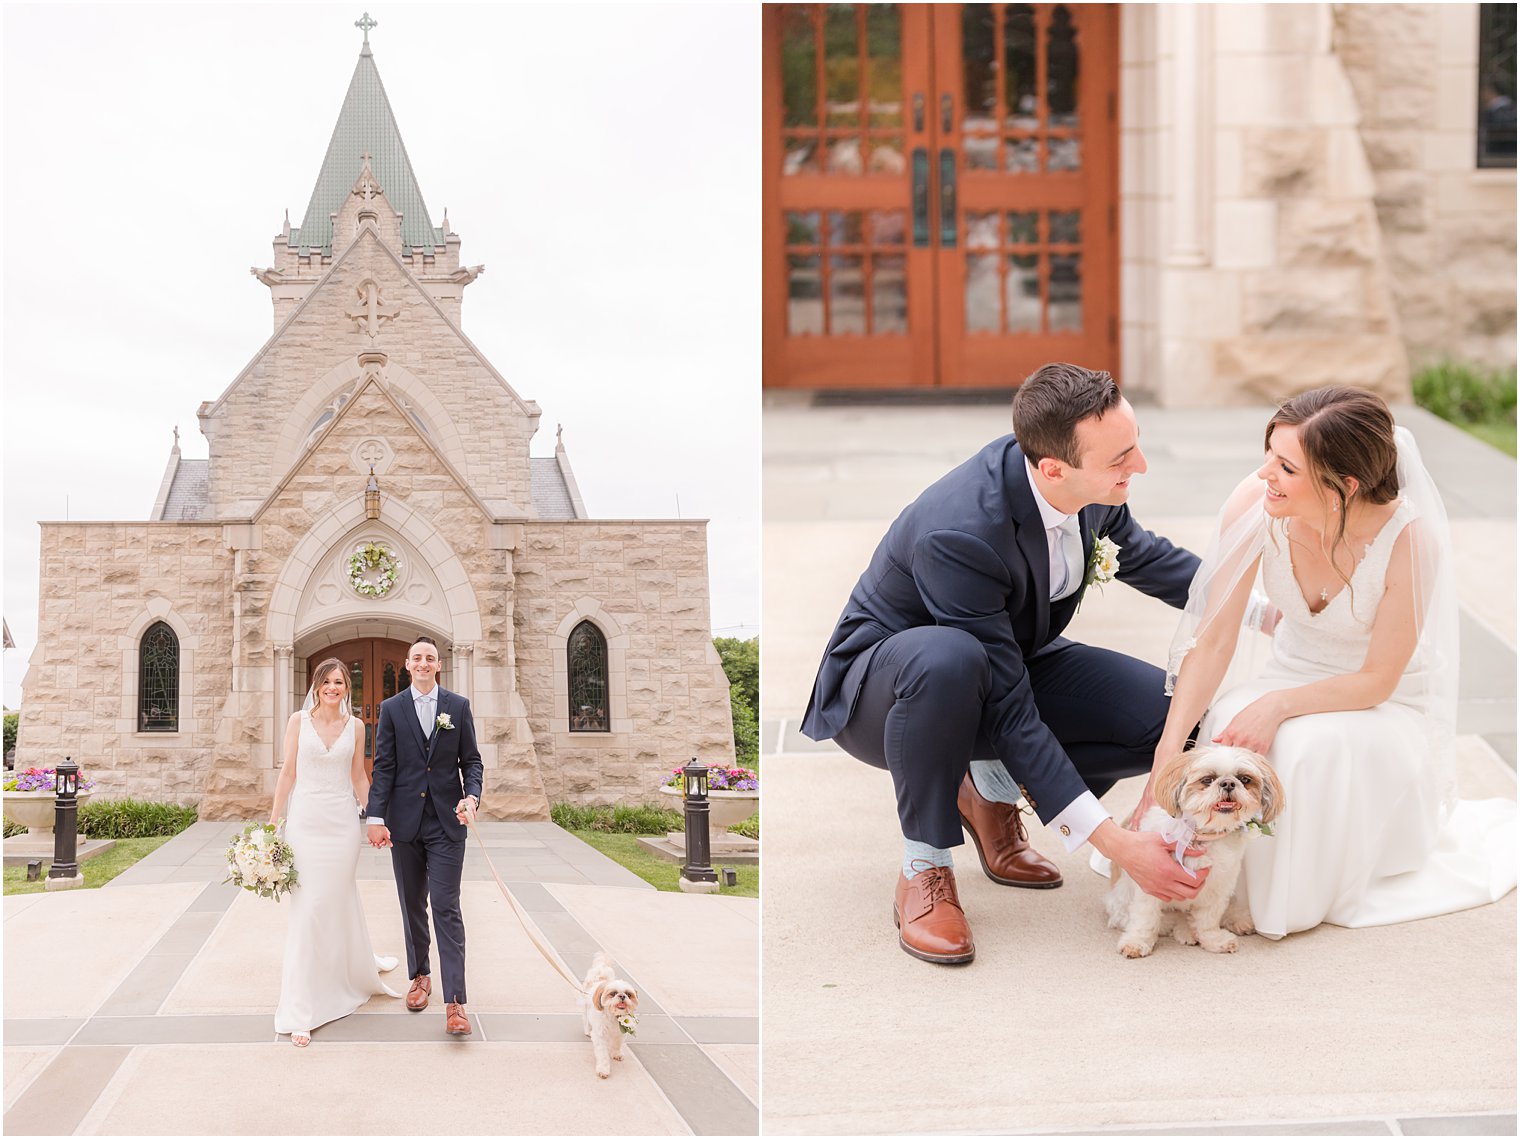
x: 1051, y: 402
x: 425, y: 640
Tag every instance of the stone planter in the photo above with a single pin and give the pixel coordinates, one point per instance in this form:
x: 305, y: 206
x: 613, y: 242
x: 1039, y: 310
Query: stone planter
x: 36, y: 810
x: 728, y: 807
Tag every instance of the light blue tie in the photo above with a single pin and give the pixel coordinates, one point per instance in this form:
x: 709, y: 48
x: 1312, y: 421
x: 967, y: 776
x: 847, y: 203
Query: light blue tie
x: 1071, y: 555
x: 425, y: 714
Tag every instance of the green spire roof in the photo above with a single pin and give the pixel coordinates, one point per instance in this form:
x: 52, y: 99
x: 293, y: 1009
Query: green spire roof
x: 365, y: 126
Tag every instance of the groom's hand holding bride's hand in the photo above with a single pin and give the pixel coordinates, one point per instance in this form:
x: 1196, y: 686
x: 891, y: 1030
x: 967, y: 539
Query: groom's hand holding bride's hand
x: 379, y: 835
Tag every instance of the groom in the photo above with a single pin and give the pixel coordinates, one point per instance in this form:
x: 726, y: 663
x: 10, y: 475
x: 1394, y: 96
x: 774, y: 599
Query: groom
x: 947, y: 666
x: 425, y: 755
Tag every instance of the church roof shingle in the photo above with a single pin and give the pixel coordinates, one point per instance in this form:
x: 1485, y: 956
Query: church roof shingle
x: 190, y: 492
x: 366, y: 125
x: 551, y: 494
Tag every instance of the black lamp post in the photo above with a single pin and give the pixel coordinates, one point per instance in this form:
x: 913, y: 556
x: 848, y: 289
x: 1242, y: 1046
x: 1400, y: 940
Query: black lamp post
x: 65, y: 820
x: 698, y: 866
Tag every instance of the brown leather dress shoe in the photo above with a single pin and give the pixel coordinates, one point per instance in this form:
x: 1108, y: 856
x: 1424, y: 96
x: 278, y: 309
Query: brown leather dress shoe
x: 417, y: 995
x: 997, y: 829
x: 456, y: 1023
x: 930, y: 923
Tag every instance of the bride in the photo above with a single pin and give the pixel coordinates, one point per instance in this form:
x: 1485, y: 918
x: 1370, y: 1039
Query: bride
x: 1356, y: 707
x: 330, y: 969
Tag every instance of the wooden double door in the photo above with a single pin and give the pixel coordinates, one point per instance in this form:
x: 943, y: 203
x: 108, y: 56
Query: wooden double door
x: 940, y: 192
x: 377, y: 669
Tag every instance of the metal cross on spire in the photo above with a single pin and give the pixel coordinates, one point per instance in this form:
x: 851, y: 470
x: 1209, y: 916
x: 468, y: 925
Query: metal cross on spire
x: 364, y: 24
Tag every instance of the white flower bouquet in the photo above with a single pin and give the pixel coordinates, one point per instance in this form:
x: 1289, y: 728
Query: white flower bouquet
x: 258, y: 859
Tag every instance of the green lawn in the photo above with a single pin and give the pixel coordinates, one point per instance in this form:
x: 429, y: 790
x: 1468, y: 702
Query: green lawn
x: 662, y: 875
x: 97, y: 871
x: 1500, y: 435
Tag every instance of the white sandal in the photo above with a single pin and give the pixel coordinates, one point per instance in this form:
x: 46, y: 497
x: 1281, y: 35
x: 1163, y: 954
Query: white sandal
x: 300, y: 1039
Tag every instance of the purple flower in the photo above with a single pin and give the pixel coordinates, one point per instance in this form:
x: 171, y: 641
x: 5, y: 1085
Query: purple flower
x: 40, y: 779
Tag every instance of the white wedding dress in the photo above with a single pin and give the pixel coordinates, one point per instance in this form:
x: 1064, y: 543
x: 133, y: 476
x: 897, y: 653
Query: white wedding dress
x: 1364, y: 839
x: 330, y: 968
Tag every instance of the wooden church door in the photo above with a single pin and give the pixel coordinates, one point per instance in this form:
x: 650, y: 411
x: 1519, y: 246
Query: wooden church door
x: 940, y: 192
x: 377, y: 669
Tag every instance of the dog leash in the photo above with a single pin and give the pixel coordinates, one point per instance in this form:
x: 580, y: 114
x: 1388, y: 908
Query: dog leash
x: 530, y: 927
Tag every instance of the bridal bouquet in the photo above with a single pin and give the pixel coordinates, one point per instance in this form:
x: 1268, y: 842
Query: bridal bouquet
x: 260, y: 860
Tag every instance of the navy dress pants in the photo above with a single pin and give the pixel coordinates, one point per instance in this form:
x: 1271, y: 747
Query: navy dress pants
x: 919, y: 713
x: 429, y: 868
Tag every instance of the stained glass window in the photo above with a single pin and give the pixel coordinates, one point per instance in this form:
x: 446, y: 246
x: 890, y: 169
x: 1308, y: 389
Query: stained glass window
x: 1496, y: 85
x: 158, y: 680
x: 587, y: 662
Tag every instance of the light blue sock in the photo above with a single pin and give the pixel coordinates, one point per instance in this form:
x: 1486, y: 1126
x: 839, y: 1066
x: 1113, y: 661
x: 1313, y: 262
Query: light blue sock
x: 919, y: 856
x: 993, y: 782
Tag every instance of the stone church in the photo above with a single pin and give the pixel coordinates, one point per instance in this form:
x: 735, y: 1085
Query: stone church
x: 369, y: 481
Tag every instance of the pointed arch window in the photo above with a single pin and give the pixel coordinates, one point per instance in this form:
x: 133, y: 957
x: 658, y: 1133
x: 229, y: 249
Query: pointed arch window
x: 158, y: 680
x: 586, y: 654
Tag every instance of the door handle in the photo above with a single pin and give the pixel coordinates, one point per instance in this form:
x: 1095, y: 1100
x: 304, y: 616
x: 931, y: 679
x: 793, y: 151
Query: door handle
x: 920, y: 197
x: 947, y: 198
x: 946, y: 113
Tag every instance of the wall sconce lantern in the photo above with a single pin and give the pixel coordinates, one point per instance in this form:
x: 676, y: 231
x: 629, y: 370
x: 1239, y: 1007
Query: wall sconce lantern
x: 372, y: 497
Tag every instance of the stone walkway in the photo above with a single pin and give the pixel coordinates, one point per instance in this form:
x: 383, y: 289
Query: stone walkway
x: 145, y: 1007
x: 1404, y: 1029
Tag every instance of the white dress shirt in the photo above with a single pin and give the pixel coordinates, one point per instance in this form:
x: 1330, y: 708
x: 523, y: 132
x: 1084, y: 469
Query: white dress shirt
x: 1083, y: 814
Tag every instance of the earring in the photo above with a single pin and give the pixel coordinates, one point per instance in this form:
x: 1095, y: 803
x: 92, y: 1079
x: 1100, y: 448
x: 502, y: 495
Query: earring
x: 1335, y: 508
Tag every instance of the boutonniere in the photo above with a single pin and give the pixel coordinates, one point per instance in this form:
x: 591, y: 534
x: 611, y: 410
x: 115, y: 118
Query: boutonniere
x: 1102, y: 565
x: 444, y: 723
x: 1104, y: 562
x: 628, y: 1024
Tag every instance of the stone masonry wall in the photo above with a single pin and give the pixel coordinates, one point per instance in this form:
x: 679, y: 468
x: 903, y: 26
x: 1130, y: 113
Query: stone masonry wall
x: 323, y: 336
x: 647, y: 579
x: 1448, y: 227
x: 103, y: 584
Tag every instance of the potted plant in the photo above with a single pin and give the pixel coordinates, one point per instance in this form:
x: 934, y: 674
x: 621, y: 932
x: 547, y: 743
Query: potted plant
x: 30, y: 799
x: 734, y: 793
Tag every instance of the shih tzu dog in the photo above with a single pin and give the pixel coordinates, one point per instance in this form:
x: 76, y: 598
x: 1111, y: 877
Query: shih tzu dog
x: 609, y: 1012
x: 1205, y: 797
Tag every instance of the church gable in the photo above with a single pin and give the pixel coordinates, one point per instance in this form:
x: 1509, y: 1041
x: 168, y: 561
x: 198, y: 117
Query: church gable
x: 369, y: 302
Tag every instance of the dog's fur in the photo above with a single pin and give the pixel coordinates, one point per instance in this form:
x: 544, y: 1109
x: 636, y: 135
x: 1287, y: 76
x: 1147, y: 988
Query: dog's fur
x: 605, y: 998
x: 1219, y: 789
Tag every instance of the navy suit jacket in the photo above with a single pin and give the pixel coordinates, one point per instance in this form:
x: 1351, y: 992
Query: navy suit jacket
x: 410, y: 768
x: 971, y: 553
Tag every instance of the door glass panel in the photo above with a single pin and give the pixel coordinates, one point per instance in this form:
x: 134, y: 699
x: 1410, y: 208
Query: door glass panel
x: 1066, y: 292
x: 799, y: 68
x: 841, y: 65
x: 1020, y: 97
x: 1065, y: 154
x: 804, y: 305
x: 356, y: 681
x: 1024, y: 293
x: 1024, y: 227
x: 1066, y: 225
x: 847, y: 309
x: 981, y: 230
x: 889, y: 294
x: 388, y: 681
x: 1023, y: 155
x: 884, y: 64
x: 1061, y: 64
x: 844, y: 156
x: 887, y: 156
x: 982, y: 301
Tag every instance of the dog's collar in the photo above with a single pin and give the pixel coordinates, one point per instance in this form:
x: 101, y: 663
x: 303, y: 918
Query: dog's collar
x: 1185, y: 833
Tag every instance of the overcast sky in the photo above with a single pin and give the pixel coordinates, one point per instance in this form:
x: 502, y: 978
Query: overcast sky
x: 602, y: 162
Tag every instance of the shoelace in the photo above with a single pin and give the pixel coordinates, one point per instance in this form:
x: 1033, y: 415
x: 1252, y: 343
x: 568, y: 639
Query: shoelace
x: 937, y: 885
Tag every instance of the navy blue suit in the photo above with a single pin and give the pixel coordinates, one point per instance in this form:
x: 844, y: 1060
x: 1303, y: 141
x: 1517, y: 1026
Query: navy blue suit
x: 949, y: 650
x: 417, y: 782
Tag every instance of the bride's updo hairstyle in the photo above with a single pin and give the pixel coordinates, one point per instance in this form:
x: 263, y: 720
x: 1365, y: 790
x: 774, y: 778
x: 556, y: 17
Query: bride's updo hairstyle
x: 1346, y: 433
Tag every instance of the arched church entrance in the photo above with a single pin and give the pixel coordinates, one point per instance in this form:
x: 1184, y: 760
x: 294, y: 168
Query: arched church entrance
x: 378, y: 669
